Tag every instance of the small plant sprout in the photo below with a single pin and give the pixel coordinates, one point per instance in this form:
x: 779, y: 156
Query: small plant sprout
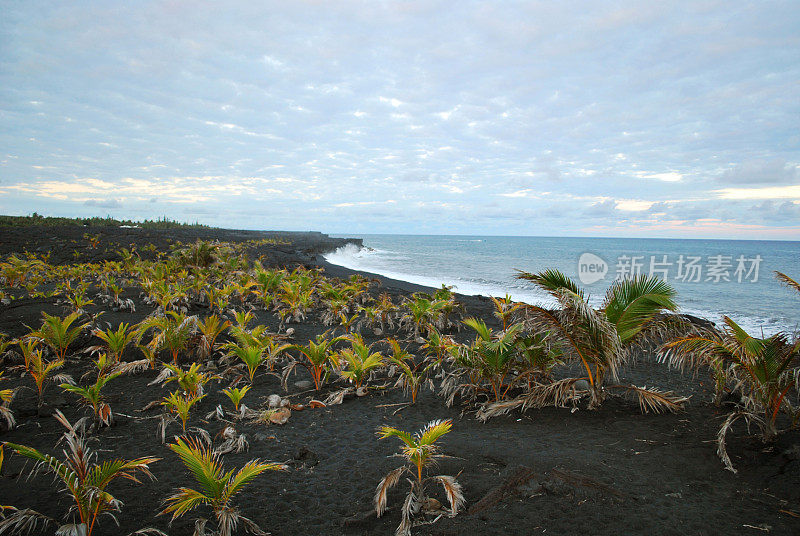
x: 93, y: 397
x: 6, y: 396
x: 210, y: 328
x: 42, y: 371
x: 420, y: 451
x: 170, y: 332
x: 217, y: 486
x: 236, y: 394
x: 504, y: 309
x: 252, y: 355
x: 58, y: 333
x: 116, y: 340
x: 180, y: 405
x: 84, y: 480
x: 412, y: 375
x: 27, y: 346
x: 360, y: 360
x: 190, y: 381
x: 319, y: 357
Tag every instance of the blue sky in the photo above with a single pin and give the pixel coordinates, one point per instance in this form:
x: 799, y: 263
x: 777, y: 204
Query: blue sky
x: 591, y: 118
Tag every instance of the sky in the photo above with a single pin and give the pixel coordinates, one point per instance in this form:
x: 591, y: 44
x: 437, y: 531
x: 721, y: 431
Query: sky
x: 656, y: 119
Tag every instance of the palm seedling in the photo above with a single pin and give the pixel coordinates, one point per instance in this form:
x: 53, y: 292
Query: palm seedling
x: 420, y: 451
x: 251, y: 355
x: 6, y: 396
x: 764, y: 371
x: 536, y: 357
x: 386, y: 311
x: 493, y: 354
x: 217, y: 486
x: 191, y: 381
x: 171, y: 332
x: 5, y: 343
x: 58, y: 333
x: 358, y: 361
x: 210, y: 328
x: 43, y: 371
x: 116, y: 340
x: 504, y: 309
x: 85, y: 481
x: 600, y: 340
x: 181, y: 405
x: 412, y: 374
x: 78, y: 299
x: 28, y: 345
x: 421, y: 314
x: 93, y: 397
x: 438, y: 345
x: 236, y: 394
x: 319, y: 357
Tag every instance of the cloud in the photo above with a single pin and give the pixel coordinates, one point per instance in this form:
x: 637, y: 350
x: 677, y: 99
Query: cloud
x: 773, y: 171
x: 103, y: 203
x: 620, y: 114
x: 767, y: 192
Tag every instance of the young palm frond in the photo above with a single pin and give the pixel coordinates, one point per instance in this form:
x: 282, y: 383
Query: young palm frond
x: 420, y: 450
x: 191, y: 381
x: 43, y: 371
x: 181, y: 405
x: 319, y: 357
x: 251, y: 355
x: 218, y: 487
x: 117, y: 340
x: 236, y: 394
x: 359, y: 361
x: 58, y: 333
x: 86, y: 481
x: 6, y: 396
x: 492, y: 354
x: 412, y: 375
x: 170, y: 332
x: 93, y: 397
x: 210, y: 328
x: 599, y: 339
x: 764, y: 371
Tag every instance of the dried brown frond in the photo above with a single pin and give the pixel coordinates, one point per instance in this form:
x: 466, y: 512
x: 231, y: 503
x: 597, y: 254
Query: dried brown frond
x: 454, y: 492
x: 651, y: 399
x: 722, y: 451
x: 25, y: 521
x: 386, y: 483
x: 200, y: 527
x: 162, y: 376
x: 557, y: 393
x: 410, y: 505
x: 495, y: 409
x: 337, y: 397
x: 788, y: 281
x: 132, y: 367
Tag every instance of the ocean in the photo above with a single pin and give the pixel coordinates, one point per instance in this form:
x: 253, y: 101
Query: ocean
x: 712, y: 277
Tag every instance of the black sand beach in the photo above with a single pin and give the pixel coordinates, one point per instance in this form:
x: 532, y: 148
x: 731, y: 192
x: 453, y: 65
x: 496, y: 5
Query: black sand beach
x: 608, y: 471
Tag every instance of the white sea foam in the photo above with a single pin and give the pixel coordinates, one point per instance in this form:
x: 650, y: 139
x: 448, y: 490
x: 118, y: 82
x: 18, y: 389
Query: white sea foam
x: 419, y: 261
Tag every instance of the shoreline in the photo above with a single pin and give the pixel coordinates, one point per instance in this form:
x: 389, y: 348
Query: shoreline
x: 641, y: 473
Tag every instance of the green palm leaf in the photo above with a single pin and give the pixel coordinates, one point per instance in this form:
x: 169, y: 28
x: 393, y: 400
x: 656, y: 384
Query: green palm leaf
x: 247, y: 473
x: 433, y: 431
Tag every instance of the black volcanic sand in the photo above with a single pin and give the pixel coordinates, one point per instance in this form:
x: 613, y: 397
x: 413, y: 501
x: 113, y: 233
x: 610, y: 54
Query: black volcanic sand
x: 608, y: 471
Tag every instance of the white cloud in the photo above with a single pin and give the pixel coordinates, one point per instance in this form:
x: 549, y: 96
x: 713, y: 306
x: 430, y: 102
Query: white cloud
x: 769, y: 192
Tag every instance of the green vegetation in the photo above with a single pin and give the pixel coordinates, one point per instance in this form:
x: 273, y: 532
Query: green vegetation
x: 420, y: 451
x: 108, y: 221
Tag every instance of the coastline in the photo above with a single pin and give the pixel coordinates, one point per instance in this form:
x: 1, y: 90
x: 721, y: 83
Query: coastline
x: 639, y: 473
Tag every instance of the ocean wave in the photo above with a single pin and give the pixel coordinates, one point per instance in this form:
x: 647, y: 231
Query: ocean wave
x: 395, y: 265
